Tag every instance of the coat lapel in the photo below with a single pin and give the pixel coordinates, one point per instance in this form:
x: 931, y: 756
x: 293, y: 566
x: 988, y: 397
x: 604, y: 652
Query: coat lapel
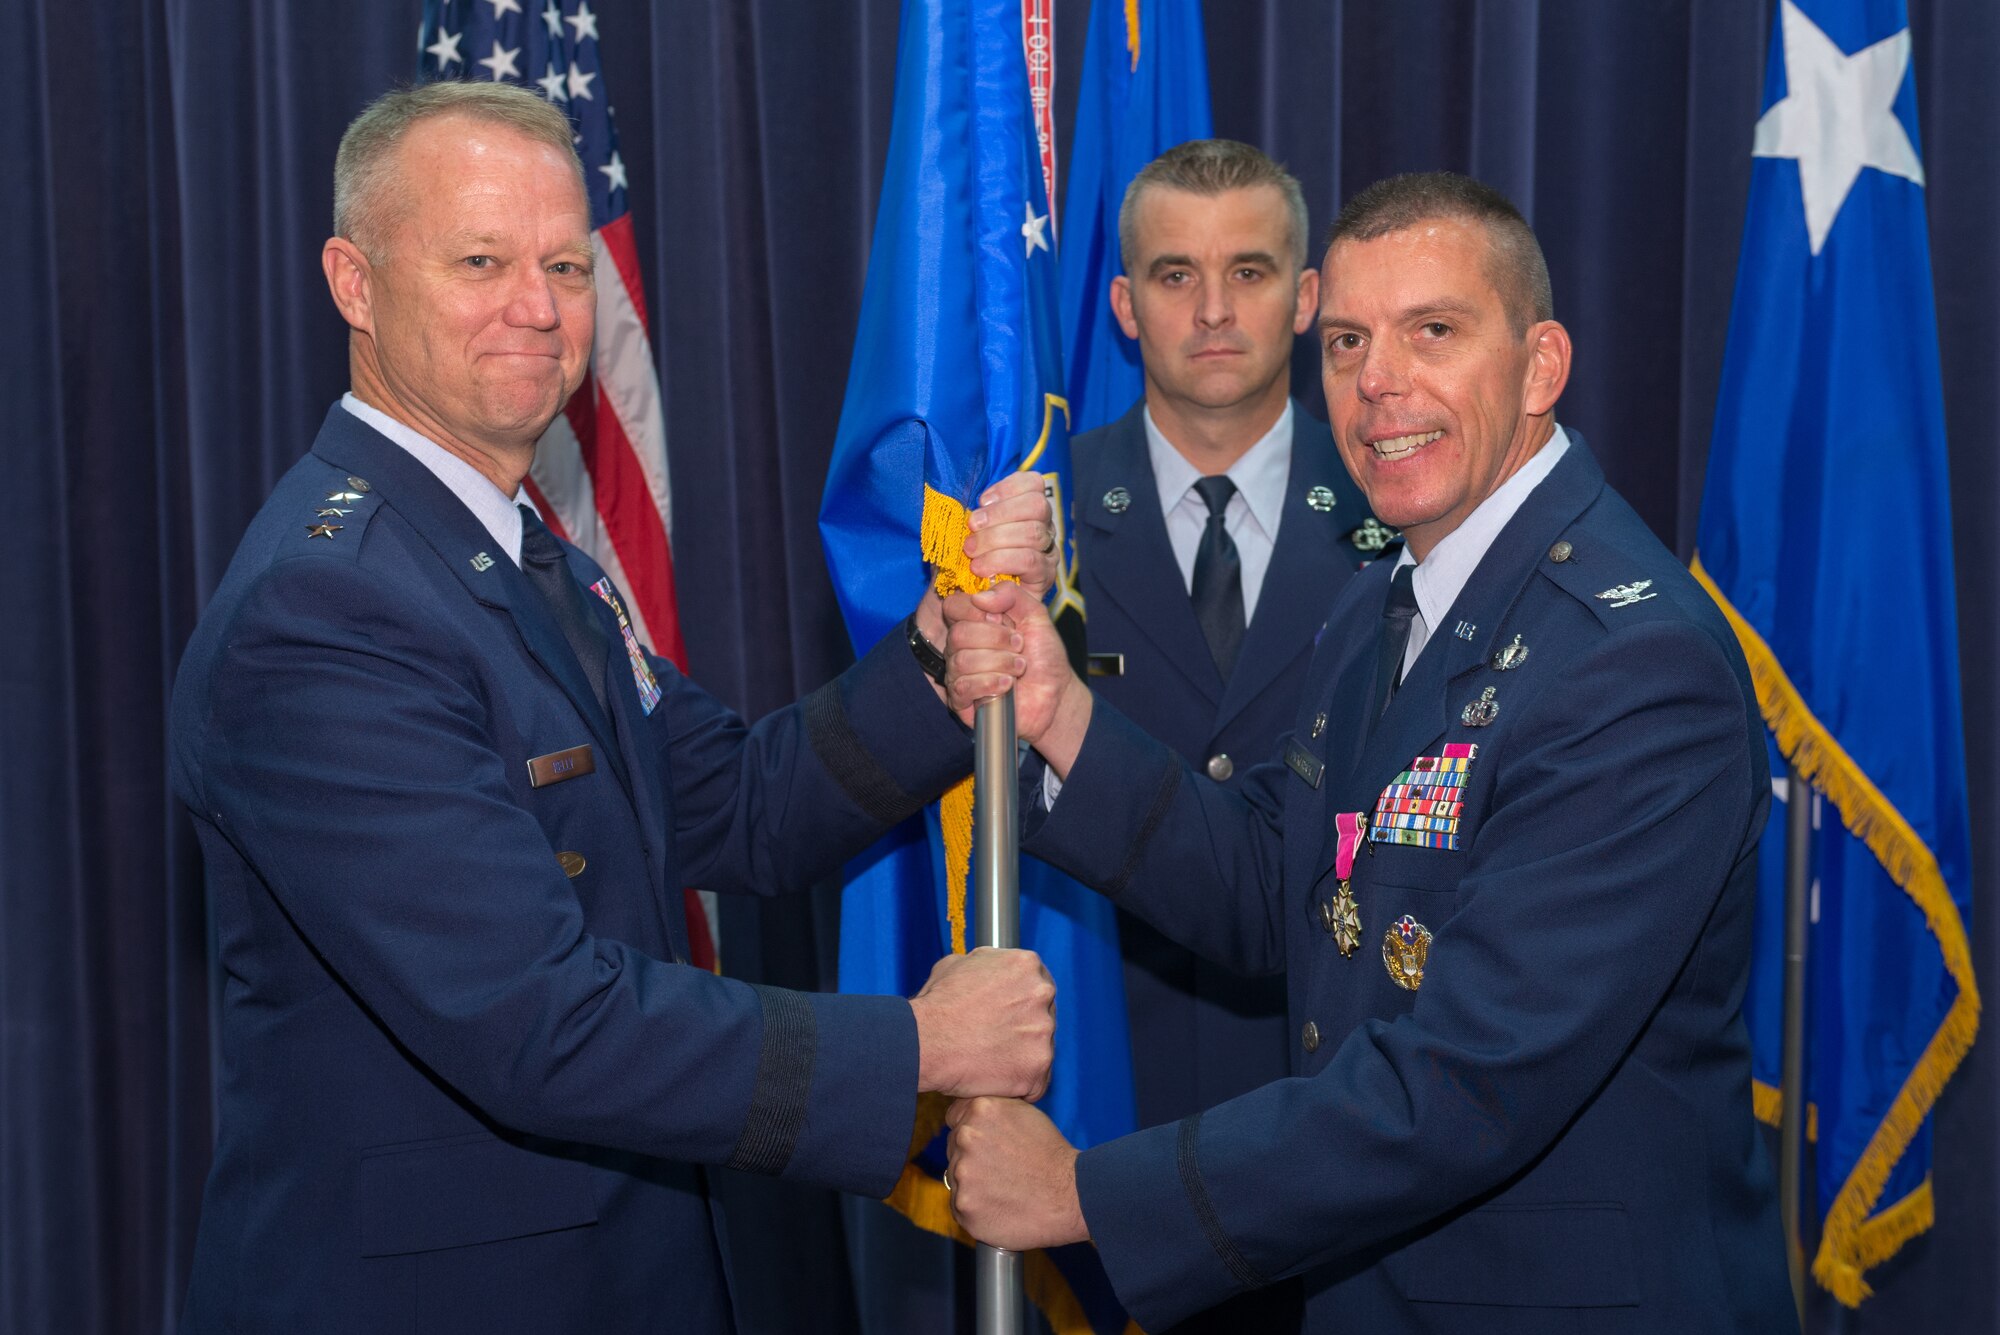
x: 1135, y: 564
x: 459, y: 539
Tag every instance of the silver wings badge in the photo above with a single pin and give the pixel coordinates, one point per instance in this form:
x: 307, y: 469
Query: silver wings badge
x: 1624, y: 595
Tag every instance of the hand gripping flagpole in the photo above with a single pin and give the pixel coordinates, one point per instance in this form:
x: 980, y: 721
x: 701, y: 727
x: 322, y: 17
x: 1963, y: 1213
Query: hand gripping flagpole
x: 996, y: 870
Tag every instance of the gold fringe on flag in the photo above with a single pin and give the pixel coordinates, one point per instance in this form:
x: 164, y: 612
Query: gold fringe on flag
x: 1850, y: 1241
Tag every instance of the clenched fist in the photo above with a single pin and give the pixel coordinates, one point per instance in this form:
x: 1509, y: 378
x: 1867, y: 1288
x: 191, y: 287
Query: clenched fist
x: 986, y: 1024
x: 1013, y: 1176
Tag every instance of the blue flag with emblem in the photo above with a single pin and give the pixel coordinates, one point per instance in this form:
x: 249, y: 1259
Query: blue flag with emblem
x: 1144, y: 89
x: 956, y: 381
x: 1830, y: 425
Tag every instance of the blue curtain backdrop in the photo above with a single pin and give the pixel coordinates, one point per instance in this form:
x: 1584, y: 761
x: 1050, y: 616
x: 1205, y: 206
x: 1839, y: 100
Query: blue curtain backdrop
x: 166, y: 168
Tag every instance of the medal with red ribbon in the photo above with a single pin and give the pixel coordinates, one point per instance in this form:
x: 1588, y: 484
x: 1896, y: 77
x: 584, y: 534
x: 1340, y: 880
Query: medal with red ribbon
x: 1342, y: 916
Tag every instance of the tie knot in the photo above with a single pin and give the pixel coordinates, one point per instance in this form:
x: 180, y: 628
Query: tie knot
x: 1402, y: 592
x: 537, y: 543
x: 1215, y: 493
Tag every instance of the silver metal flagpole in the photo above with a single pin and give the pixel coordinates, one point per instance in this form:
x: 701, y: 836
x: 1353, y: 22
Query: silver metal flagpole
x: 996, y: 873
x: 1792, y: 1070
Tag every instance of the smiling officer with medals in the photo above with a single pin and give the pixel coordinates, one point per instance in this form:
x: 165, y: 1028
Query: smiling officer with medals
x: 1507, y: 857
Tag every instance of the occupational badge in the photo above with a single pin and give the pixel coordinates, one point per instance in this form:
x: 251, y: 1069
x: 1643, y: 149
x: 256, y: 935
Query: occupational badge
x: 1406, y: 948
x: 1481, y: 711
x: 1320, y: 499
x: 1420, y: 809
x: 642, y: 671
x: 1118, y: 500
x: 1372, y: 536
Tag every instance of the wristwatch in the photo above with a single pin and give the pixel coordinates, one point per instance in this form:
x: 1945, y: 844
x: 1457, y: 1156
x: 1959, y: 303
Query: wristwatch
x: 928, y: 657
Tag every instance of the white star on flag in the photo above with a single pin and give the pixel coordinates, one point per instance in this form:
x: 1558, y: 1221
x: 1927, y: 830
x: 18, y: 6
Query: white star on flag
x: 445, y: 48
x: 504, y: 7
x: 1035, y: 231
x: 579, y: 83
x: 1837, y: 117
x: 553, y: 17
x: 614, y: 171
x: 501, y: 63
x: 552, y: 85
x: 583, y: 21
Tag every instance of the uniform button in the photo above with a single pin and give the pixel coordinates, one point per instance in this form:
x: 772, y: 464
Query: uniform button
x: 1220, y: 767
x: 1310, y: 1036
x: 1560, y: 552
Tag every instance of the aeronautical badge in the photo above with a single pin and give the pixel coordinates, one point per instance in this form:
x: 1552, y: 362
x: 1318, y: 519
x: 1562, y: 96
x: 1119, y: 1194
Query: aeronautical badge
x: 1372, y: 536
x: 642, y: 671
x: 1624, y: 595
x: 1406, y: 948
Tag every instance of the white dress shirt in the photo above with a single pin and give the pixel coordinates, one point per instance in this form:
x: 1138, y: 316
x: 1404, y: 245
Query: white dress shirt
x: 487, y: 502
x: 1252, y: 515
x: 1442, y: 575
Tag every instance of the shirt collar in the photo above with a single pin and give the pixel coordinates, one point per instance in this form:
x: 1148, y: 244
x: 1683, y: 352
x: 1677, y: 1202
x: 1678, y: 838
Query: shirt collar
x: 489, y: 505
x: 1442, y: 575
x: 1260, y: 474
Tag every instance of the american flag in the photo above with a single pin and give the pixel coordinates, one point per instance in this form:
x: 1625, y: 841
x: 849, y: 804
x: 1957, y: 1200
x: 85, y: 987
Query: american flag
x: 600, y: 472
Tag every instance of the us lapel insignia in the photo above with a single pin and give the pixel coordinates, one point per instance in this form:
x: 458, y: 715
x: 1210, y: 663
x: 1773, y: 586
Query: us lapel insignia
x: 1465, y: 630
x: 1481, y: 711
x: 642, y: 671
x: 481, y: 562
x: 1511, y: 657
x: 1321, y: 499
x: 1420, y: 809
x: 1406, y: 948
x: 1624, y: 595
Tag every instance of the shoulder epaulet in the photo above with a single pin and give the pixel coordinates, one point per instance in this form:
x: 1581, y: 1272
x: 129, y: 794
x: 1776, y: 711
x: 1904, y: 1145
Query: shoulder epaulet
x: 1619, y: 586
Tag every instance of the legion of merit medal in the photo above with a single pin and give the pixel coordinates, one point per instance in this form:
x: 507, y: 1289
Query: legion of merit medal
x: 1343, y: 918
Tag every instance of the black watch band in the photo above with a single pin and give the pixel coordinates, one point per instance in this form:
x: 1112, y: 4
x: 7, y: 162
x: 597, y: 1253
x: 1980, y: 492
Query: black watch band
x: 928, y: 657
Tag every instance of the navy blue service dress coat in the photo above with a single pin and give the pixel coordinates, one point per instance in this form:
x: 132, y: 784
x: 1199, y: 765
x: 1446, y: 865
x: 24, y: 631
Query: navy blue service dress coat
x: 1203, y: 1032
x: 1551, y: 1131
x: 466, y: 1082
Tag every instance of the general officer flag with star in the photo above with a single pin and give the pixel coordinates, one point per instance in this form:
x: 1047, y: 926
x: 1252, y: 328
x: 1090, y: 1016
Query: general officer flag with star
x: 1144, y: 89
x: 956, y: 381
x: 1830, y: 427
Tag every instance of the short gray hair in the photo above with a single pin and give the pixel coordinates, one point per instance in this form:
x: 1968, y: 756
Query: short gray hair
x: 1210, y: 167
x: 1519, y: 271
x: 363, y: 167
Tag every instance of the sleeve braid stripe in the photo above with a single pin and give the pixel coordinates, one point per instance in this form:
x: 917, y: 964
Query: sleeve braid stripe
x: 784, y: 1082
x: 1163, y: 801
x: 1204, y: 1210
x: 860, y: 775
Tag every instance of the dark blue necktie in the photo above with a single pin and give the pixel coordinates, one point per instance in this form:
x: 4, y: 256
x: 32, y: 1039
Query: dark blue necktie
x: 1218, y: 578
x: 543, y: 562
x: 1396, y: 614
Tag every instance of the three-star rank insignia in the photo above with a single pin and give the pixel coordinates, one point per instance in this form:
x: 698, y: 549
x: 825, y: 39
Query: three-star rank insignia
x: 1624, y: 595
x: 1406, y: 949
x: 1372, y: 536
x: 323, y: 531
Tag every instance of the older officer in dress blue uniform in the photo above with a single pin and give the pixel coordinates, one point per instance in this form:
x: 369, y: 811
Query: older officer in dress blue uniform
x: 447, y: 804
x: 1507, y: 856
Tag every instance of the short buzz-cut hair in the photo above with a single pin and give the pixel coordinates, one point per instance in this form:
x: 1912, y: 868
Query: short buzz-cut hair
x: 1210, y: 167
x: 365, y: 164
x: 1519, y: 271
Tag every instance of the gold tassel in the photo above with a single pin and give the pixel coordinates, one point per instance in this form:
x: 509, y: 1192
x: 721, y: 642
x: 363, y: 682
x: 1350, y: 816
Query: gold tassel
x: 1132, y: 31
x: 1851, y: 1242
